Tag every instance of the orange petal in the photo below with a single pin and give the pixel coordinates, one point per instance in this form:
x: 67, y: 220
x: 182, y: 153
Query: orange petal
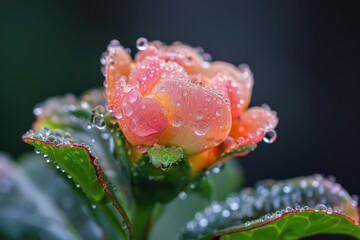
x: 254, y: 123
x: 141, y: 119
x: 235, y: 83
x: 182, y: 54
x: 198, y: 118
x: 117, y: 65
x: 150, y: 70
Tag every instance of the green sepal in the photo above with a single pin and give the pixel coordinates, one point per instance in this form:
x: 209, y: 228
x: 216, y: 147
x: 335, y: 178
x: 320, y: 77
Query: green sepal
x: 165, y: 157
x: 151, y: 184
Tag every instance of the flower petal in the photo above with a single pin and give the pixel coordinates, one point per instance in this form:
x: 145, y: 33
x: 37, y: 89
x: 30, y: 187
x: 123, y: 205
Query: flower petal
x: 182, y: 54
x: 235, y: 83
x: 199, y: 119
x: 150, y: 70
x: 117, y: 65
x: 140, y: 118
x: 253, y: 125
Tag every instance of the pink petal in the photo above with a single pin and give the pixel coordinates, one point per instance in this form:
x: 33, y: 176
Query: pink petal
x: 253, y: 125
x: 118, y: 64
x: 257, y: 119
x: 235, y: 83
x: 150, y: 70
x: 184, y: 55
x: 199, y: 119
x: 141, y: 119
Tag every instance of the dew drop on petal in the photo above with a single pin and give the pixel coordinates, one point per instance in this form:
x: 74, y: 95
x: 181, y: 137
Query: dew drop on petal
x: 129, y: 111
x: 270, y: 136
x: 176, y: 121
x: 113, y: 44
x: 219, y: 112
x: 132, y: 98
x: 141, y: 44
x: 199, y: 115
x: 201, y: 127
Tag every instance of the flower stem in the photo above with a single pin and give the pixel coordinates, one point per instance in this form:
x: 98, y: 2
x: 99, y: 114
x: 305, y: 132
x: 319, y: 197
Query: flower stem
x: 111, y: 217
x: 143, y: 220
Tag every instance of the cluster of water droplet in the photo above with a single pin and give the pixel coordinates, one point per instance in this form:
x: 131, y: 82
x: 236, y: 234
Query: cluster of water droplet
x: 270, y: 200
x: 58, y: 139
x: 54, y: 137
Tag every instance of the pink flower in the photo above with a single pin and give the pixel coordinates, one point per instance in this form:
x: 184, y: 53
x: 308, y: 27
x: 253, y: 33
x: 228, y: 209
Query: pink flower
x: 169, y: 95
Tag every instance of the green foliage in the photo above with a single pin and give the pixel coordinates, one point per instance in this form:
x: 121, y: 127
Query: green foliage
x: 24, y: 208
x: 83, y: 167
x: 261, y: 208
x: 294, y: 225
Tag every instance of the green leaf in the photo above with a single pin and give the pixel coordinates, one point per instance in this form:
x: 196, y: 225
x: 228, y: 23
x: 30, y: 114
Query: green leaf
x: 82, y: 119
x: 288, y: 209
x: 67, y: 111
x: 293, y: 225
x: 70, y: 200
x: 83, y: 167
x: 234, y: 152
x: 26, y: 212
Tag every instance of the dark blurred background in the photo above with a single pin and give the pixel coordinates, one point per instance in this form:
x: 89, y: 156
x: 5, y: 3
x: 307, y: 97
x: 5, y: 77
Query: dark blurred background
x: 304, y: 54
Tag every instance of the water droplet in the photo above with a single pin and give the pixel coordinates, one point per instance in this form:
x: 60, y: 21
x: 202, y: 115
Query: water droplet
x: 99, y: 122
x: 185, y: 93
x: 93, y: 206
x: 103, y: 58
x: 141, y: 44
x: 288, y: 209
x: 203, y: 222
x: 37, y: 151
x: 286, y: 189
x: 216, y: 207
x: 199, y: 115
x: 320, y: 207
x: 182, y: 195
x: 219, y: 112
x: 201, y: 127
x: 176, y: 121
x: 37, y: 111
x: 129, y: 111
x: 133, y: 97
x: 77, y: 185
x: 225, y: 213
x: 270, y: 136
x: 216, y: 170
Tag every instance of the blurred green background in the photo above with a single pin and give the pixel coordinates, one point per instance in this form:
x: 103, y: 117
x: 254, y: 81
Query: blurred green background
x: 304, y: 54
